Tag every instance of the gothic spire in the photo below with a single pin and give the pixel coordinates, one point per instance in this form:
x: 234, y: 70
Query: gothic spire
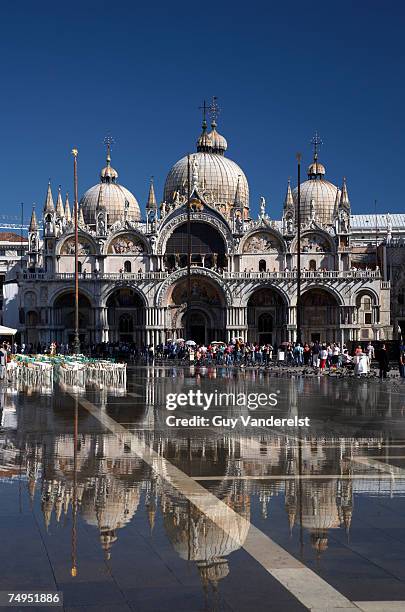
x: 49, y: 205
x: 237, y: 202
x: 337, y: 202
x: 33, y: 223
x: 68, y: 214
x: 59, y: 204
x: 151, y: 203
x: 344, y: 198
x: 288, y: 201
x: 80, y: 220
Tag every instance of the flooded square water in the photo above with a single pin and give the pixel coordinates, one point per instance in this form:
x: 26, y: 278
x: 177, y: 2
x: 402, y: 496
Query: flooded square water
x: 105, y: 501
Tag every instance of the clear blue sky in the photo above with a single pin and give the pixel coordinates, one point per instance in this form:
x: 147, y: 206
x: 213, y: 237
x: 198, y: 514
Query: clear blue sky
x: 72, y: 72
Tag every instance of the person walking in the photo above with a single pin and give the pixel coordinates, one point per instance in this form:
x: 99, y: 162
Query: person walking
x: 383, y: 361
x: 323, y: 356
x: 402, y: 361
x: 370, y: 353
x: 3, y: 361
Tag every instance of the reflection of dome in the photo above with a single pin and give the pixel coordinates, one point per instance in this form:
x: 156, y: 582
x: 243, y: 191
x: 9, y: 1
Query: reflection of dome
x: 217, y: 175
x: 109, y: 506
x: 197, y: 538
x: 113, y: 509
x: 318, y: 196
x: 114, y: 198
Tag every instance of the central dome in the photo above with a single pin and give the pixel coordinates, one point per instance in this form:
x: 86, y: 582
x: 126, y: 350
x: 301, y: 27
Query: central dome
x: 115, y: 199
x: 318, y: 196
x: 220, y: 180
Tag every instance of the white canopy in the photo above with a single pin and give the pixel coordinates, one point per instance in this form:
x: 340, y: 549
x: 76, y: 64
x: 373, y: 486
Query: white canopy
x: 7, y: 331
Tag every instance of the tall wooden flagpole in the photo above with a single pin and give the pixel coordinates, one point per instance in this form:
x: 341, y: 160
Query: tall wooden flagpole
x: 188, y: 247
x: 76, y: 342
x: 299, y: 335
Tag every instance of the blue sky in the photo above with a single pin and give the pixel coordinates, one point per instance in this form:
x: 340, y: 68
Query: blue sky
x: 71, y: 73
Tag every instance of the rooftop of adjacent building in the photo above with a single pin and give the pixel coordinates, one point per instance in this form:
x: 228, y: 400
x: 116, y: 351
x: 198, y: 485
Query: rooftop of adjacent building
x: 12, y: 237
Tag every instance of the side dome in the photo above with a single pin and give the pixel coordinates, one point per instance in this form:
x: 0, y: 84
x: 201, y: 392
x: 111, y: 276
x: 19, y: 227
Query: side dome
x: 115, y: 199
x: 318, y: 196
x: 219, y: 179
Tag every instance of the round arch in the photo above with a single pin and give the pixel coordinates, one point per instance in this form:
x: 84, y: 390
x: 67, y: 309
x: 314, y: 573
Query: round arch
x: 126, y: 315
x: 123, y: 285
x: 373, y: 295
x: 367, y: 311
x: 61, y: 293
x: 161, y: 298
x: 267, y: 316
x: 327, y: 288
x: 320, y: 315
x: 208, y: 247
x: 201, y: 319
x: 262, y: 285
x: 64, y: 317
x: 196, y: 217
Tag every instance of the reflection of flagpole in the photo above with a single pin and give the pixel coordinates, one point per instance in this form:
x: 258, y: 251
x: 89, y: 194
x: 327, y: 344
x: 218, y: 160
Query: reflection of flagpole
x: 74, y: 500
x: 76, y: 343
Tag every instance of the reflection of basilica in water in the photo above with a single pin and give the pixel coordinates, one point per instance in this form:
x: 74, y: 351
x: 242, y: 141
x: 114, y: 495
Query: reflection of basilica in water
x: 312, y: 477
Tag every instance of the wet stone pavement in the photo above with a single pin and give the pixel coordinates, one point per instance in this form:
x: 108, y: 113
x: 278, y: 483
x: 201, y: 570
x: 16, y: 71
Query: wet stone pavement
x: 157, y: 518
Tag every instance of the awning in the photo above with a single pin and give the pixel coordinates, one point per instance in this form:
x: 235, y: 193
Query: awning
x: 7, y: 331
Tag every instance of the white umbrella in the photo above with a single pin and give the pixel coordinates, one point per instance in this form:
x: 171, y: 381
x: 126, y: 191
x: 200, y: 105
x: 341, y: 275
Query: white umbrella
x: 191, y: 343
x: 179, y: 340
x: 218, y: 342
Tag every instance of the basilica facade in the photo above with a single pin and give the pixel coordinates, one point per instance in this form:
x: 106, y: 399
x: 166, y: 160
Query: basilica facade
x: 133, y: 268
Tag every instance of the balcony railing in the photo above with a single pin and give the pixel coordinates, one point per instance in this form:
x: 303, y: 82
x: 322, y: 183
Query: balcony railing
x: 306, y: 274
x: 249, y: 275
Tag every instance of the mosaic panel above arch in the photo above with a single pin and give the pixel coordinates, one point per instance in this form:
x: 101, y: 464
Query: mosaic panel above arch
x: 125, y: 244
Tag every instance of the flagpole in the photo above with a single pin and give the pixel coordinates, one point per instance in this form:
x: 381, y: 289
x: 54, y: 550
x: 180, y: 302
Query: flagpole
x: 76, y: 342
x: 188, y: 248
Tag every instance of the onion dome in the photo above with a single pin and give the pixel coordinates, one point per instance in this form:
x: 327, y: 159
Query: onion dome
x: 218, y: 142
x: 316, y: 169
x: 116, y: 198
x: 204, y: 141
x: 108, y: 174
x: 218, y: 176
x: 318, y: 196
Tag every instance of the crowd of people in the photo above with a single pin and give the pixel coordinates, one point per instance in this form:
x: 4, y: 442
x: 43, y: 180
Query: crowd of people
x: 316, y: 355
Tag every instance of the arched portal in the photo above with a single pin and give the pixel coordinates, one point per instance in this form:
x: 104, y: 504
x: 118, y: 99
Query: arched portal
x: 267, y: 317
x: 125, y: 316
x: 31, y: 326
x: 203, y: 318
x: 64, y: 318
x: 319, y: 316
x: 207, y: 247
